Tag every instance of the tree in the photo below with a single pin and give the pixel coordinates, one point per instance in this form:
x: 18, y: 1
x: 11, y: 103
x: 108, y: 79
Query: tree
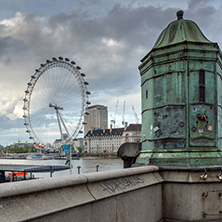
x: 80, y: 149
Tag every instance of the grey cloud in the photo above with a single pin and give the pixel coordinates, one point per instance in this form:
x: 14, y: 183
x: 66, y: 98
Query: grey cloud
x: 9, y: 45
x: 80, y: 37
x: 208, y: 18
x: 6, y: 123
x: 132, y: 27
x: 107, y: 46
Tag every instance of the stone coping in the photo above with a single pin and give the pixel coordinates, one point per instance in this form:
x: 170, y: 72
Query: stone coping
x: 191, y: 168
x: 31, y: 186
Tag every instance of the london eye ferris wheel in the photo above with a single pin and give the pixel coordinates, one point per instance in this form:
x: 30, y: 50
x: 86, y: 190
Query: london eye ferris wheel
x: 55, y: 102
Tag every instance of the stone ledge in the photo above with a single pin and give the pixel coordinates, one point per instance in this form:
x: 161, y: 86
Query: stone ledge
x: 29, y: 200
x: 112, y: 174
x: 39, y: 185
x: 190, y: 177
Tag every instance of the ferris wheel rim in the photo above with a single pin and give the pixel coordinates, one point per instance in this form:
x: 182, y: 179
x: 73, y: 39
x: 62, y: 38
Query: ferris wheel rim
x: 75, y: 70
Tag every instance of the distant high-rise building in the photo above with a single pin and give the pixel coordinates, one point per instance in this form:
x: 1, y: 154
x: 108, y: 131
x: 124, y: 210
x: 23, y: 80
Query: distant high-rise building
x: 97, y: 119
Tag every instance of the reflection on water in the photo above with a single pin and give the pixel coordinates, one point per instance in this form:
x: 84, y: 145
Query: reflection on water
x: 87, y: 165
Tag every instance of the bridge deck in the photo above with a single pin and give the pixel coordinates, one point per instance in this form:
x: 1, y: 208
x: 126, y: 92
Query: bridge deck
x: 31, y: 168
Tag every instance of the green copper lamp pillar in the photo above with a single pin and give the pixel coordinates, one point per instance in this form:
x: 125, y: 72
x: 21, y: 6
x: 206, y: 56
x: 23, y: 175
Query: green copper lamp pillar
x: 181, y: 80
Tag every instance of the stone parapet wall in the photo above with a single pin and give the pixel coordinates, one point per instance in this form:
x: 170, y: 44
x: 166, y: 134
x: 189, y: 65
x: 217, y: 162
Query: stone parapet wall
x: 133, y: 194
x: 142, y: 194
x: 187, y: 197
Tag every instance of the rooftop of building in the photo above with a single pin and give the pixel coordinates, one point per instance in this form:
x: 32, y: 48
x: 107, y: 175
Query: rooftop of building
x: 106, y: 132
x: 97, y: 106
x: 134, y: 127
x: 114, y: 131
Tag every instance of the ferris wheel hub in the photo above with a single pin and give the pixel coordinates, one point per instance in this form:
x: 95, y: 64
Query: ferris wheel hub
x: 55, y: 106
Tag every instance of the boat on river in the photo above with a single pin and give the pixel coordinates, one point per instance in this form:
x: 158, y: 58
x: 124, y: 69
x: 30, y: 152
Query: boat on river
x: 19, y: 172
x: 38, y: 157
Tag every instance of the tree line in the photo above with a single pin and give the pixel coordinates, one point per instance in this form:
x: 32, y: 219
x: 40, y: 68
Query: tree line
x: 18, y: 149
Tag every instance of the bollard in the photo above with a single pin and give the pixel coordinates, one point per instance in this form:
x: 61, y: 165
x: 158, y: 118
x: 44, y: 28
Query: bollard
x: 78, y: 169
x: 97, y: 167
x: 51, y: 171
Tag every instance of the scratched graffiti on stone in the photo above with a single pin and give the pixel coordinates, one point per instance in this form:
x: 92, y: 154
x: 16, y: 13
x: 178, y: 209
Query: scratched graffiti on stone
x: 121, y: 184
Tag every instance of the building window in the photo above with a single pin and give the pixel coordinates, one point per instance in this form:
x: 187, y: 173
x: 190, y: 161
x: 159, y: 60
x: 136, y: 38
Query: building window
x: 201, y: 86
x: 146, y: 94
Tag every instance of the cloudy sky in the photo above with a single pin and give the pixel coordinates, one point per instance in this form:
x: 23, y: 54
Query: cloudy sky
x: 107, y: 38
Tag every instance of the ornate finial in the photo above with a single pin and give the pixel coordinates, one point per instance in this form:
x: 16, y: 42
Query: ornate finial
x: 179, y: 15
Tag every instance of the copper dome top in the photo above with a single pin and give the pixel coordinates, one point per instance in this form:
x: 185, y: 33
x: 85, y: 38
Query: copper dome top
x: 179, y: 31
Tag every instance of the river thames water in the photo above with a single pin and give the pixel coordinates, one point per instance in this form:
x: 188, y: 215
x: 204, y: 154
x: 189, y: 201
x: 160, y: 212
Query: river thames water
x: 87, y: 165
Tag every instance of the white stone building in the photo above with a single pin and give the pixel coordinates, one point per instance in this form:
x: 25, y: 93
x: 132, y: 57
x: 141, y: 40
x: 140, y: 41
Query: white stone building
x: 109, y: 140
